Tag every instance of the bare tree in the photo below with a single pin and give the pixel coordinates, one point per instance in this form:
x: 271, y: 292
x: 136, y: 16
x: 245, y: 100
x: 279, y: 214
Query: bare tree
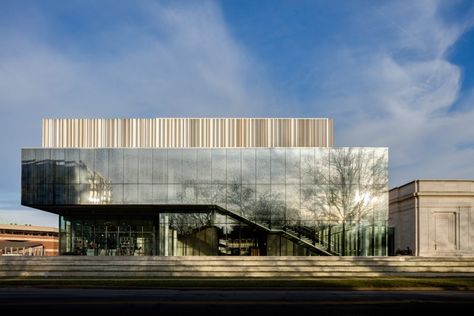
x: 185, y: 223
x: 346, y: 185
x: 267, y: 209
x: 346, y: 189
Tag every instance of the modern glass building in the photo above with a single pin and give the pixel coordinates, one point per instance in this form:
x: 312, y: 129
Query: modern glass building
x: 196, y: 187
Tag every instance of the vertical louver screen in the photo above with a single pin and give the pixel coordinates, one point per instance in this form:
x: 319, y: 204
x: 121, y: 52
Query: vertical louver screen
x: 187, y: 132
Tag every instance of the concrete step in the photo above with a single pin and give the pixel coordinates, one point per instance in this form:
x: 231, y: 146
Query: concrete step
x: 315, y: 265
x: 26, y: 261
x: 228, y: 274
x: 240, y: 269
x: 242, y: 258
x: 276, y: 267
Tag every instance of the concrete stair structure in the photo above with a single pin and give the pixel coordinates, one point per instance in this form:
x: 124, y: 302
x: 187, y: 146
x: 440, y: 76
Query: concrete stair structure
x: 234, y: 267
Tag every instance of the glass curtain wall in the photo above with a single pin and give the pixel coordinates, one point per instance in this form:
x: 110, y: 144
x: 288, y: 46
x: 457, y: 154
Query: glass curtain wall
x: 337, y: 198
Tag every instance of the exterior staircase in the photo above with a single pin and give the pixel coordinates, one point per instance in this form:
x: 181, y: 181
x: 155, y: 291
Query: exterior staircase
x: 308, y: 241
x: 291, y: 234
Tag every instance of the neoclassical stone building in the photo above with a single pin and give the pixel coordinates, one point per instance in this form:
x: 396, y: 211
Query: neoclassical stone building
x: 433, y: 217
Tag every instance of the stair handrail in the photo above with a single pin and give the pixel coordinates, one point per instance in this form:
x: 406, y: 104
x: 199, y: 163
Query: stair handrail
x: 246, y: 220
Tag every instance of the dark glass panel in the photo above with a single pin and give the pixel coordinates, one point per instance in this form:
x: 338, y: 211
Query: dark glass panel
x: 263, y: 191
x: 145, y: 194
x: 189, y: 166
x: 58, y: 166
x: 116, y: 165
x: 248, y: 166
x: 59, y: 194
x: 81, y: 193
x: 278, y: 207
x: 45, y: 193
x: 42, y: 154
x: 220, y: 194
x: 160, y: 166
x: 130, y: 166
x: 366, y: 165
x: 160, y: 193
x: 28, y: 175
x: 248, y: 202
x: 130, y: 194
x: 314, y: 202
x: 71, y: 197
x: 293, y: 164
x: 380, y: 168
x: 57, y: 154
x: 292, y: 192
x: 307, y: 166
x: 211, y: 194
x: 145, y: 166
x: 277, y: 166
x: 206, y: 193
x: 204, y: 166
x: 175, y: 193
x: 175, y: 166
x: 117, y: 193
x: 278, y: 191
x: 233, y: 166
x: 380, y: 205
x: 218, y: 166
x: 234, y: 192
x: 189, y: 194
x: 28, y: 155
x: 263, y: 165
x: 264, y: 200
x: 43, y: 167
x: 72, y: 165
x: 322, y: 165
x: 86, y: 165
x: 102, y: 163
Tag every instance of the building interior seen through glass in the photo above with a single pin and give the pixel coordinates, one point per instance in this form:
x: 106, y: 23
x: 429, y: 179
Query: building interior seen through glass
x: 259, y: 201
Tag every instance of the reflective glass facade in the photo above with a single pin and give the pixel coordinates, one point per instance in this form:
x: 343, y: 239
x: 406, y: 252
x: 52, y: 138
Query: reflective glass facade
x: 260, y: 201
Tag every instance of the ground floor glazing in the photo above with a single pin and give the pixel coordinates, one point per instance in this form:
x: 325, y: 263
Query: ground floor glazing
x: 214, y: 234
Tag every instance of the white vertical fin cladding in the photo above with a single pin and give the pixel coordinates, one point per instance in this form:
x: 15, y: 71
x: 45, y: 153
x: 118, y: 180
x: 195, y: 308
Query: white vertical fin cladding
x: 188, y: 132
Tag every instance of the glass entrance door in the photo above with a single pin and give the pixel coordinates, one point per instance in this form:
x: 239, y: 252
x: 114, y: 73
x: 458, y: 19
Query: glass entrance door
x: 126, y: 242
x: 106, y: 238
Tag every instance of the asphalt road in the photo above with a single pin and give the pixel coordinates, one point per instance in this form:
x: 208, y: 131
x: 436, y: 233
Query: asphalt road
x: 229, y: 302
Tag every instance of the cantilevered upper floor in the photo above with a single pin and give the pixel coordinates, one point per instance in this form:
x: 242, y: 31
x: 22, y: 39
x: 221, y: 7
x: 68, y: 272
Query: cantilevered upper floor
x: 188, y: 132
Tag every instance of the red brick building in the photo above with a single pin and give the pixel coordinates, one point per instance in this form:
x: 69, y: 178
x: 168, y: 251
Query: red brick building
x: 28, y: 240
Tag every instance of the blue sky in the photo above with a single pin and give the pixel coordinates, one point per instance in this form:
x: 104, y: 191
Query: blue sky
x: 398, y: 74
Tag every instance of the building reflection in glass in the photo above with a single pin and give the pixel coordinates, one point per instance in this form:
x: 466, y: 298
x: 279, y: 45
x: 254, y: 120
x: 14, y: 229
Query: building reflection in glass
x: 279, y: 201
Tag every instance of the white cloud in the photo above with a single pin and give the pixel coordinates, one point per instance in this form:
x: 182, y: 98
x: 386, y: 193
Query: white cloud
x: 180, y: 60
x: 185, y: 63
x: 398, y: 93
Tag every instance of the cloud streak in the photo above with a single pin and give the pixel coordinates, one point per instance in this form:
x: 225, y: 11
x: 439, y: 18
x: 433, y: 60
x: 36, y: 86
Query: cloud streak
x: 397, y: 89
